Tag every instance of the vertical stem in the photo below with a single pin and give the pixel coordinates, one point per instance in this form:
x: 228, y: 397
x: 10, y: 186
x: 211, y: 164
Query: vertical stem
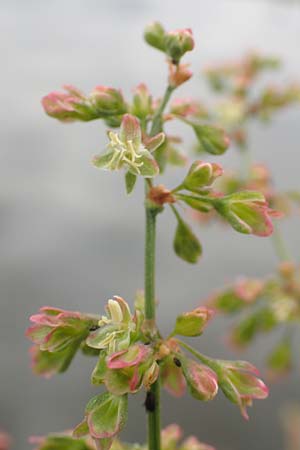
x: 154, y: 425
x: 279, y: 245
x: 150, y: 265
x: 246, y: 162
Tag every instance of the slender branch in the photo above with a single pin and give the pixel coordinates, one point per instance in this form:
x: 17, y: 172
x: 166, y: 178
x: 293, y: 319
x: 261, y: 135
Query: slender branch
x: 157, y: 118
x: 150, y: 264
x: 280, y: 246
x: 245, y: 162
x: 154, y: 420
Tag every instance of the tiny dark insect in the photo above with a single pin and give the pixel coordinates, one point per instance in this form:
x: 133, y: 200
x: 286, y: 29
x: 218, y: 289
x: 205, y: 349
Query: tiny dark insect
x: 177, y: 362
x: 147, y: 343
x: 94, y: 327
x: 150, y: 402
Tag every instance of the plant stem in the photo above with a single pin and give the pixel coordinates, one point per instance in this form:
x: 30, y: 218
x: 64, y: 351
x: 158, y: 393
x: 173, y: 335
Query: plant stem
x: 157, y: 118
x: 150, y: 264
x: 279, y: 245
x: 154, y: 423
x: 246, y: 162
x: 154, y: 426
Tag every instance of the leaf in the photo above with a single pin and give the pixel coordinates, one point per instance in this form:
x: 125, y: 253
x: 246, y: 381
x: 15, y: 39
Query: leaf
x: 61, y: 442
x: 280, y: 360
x: 186, y: 244
x: 106, y: 415
x: 211, y: 139
x: 193, y: 323
x: 99, y: 371
x: 130, y: 180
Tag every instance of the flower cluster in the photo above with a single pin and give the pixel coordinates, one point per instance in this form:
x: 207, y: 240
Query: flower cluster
x: 272, y: 302
x: 171, y: 439
x: 131, y: 353
x: 128, y: 361
x: 242, y: 101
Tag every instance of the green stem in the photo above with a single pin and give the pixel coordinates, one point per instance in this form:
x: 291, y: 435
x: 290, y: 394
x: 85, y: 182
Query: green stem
x: 154, y: 421
x: 213, y: 364
x: 279, y: 245
x: 246, y: 163
x: 150, y: 264
x: 157, y: 118
x: 154, y: 425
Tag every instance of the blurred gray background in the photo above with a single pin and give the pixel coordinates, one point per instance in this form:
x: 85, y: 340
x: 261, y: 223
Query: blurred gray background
x: 69, y: 235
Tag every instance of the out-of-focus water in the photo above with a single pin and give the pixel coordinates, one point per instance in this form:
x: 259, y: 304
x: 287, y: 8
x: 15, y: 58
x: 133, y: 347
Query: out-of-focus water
x: 69, y: 235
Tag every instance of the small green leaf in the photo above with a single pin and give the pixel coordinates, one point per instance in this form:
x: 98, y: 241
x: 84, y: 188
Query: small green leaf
x: 106, y: 415
x: 186, y: 244
x: 192, y: 323
x: 280, y: 360
x: 130, y: 180
x: 196, y: 203
x: 211, y: 139
x: 61, y: 442
x: 98, y: 374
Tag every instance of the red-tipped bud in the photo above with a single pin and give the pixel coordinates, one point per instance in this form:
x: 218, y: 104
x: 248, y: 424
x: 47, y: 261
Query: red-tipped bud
x: 202, y: 175
x: 142, y: 102
x: 178, y: 42
x: 179, y: 74
x: 107, y: 101
x: 193, y: 323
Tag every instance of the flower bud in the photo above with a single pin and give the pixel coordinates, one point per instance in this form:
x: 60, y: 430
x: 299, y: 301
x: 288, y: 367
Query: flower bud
x: 142, y: 102
x: 239, y: 384
x: 211, y: 139
x: 67, y: 106
x: 178, y: 42
x: 247, y: 212
x: 280, y: 360
x: 172, y: 377
x: 154, y: 35
x: 201, y: 380
x: 193, y: 323
x: 185, y: 107
x: 107, y: 101
x: 201, y: 175
x: 192, y: 443
x: 170, y: 436
x: 179, y: 74
x: 105, y: 417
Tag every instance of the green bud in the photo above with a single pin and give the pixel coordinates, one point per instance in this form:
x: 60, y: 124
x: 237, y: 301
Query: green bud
x: 154, y: 35
x: 201, y: 174
x: 178, y: 42
x: 211, y: 139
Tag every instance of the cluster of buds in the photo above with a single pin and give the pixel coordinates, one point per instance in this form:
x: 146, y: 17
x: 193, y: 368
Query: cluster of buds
x: 271, y: 303
x: 72, y: 105
x: 242, y: 102
x: 174, y: 43
x: 57, y: 335
x: 171, y: 439
x: 130, y: 359
x: 236, y: 77
x: 258, y: 180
